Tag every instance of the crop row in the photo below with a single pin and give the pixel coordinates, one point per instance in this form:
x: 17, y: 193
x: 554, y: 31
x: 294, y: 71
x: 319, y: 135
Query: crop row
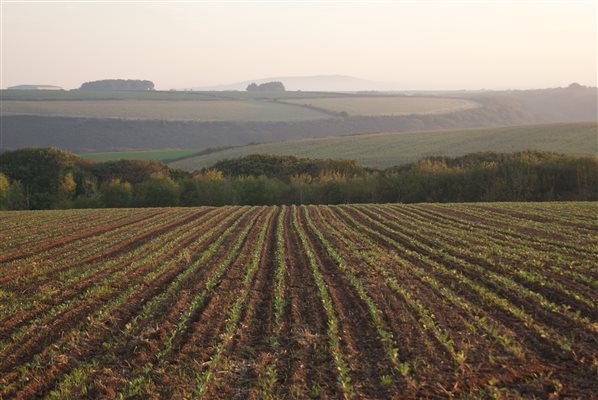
x: 351, y: 301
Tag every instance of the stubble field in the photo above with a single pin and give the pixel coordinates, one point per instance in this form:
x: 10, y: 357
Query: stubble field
x: 353, y: 301
x: 219, y: 106
x: 166, y: 110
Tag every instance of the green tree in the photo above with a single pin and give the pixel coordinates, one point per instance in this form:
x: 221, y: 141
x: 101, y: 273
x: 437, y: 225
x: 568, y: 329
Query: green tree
x: 158, y: 191
x: 299, y: 183
x: 116, y: 193
x: 4, y: 188
x: 17, y: 198
x: 63, y: 198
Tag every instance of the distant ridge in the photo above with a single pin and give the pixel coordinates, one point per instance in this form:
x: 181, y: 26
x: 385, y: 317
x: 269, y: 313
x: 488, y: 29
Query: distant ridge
x: 316, y: 83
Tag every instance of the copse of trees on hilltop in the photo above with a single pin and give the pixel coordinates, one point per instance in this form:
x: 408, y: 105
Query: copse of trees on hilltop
x: 274, y: 86
x: 118, y: 84
x: 52, y: 178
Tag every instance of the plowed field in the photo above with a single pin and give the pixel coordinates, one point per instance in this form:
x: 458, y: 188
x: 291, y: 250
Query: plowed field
x: 356, y: 301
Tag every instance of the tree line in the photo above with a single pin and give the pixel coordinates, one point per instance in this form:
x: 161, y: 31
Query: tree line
x: 53, y: 178
x: 118, y: 84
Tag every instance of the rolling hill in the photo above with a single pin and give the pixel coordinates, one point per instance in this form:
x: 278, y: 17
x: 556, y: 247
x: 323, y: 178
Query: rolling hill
x: 212, y: 107
x: 85, y: 121
x: 390, y: 149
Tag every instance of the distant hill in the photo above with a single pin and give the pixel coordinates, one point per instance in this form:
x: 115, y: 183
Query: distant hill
x: 572, y: 103
x: 317, y: 83
x: 35, y: 87
x: 230, y: 127
x: 389, y: 149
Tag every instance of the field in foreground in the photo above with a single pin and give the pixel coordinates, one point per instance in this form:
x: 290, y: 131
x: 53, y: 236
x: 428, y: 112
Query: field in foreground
x: 364, y: 301
x: 389, y: 149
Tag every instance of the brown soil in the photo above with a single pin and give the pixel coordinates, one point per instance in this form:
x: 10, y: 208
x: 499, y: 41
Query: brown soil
x: 503, y: 353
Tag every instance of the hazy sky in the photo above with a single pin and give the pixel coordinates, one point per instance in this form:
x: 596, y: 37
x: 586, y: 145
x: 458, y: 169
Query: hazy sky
x: 416, y: 45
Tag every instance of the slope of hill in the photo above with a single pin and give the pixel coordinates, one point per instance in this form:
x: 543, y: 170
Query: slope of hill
x: 110, y: 134
x: 219, y: 109
x: 227, y: 120
x: 389, y: 149
x: 572, y: 103
x: 81, y: 95
x: 165, y: 110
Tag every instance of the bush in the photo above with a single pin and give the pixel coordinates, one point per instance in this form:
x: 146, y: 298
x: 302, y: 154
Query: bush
x: 158, y: 191
x: 17, y: 198
x: 116, y: 193
x: 4, y: 188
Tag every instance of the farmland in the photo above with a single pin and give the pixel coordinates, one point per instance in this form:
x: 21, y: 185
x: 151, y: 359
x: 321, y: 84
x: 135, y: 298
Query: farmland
x: 389, y: 149
x: 388, y: 105
x: 352, y: 301
x: 84, y: 95
x: 167, y: 110
x: 219, y: 106
x: 112, y: 121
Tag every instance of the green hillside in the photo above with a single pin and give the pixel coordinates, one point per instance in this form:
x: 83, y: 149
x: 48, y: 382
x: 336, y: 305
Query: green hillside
x: 389, y: 149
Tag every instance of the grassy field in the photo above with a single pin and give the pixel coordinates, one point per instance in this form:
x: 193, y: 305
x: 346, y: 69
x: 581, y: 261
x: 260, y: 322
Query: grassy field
x: 217, y: 106
x: 180, y: 110
x: 387, y: 105
x: 83, y: 95
x: 486, y: 300
x: 34, y: 95
x: 390, y: 149
x: 156, y: 155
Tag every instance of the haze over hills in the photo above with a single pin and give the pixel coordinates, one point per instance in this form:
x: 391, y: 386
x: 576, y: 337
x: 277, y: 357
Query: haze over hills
x: 316, y: 83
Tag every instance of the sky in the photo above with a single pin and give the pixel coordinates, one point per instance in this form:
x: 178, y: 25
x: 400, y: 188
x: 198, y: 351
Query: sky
x: 442, y: 45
